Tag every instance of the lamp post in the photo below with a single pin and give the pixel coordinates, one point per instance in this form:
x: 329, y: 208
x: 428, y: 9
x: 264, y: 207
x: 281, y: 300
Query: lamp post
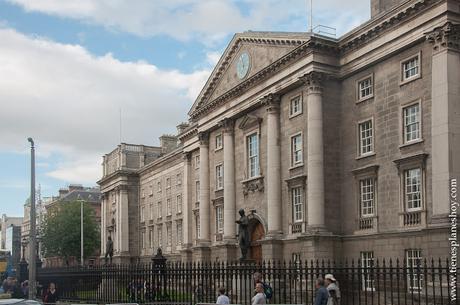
x: 32, y: 241
x: 81, y: 231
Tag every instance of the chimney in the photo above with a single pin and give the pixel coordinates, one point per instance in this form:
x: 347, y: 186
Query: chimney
x: 168, y: 143
x: 63, y: 192
x: 379, y: 6
x: 75, y: 187
x: 181, y: 127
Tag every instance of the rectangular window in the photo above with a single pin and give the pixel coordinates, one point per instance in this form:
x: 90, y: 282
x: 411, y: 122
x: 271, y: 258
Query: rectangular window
x: 367, y: 262
x: 159, y: 187
x: 219, y: 219
x: 143, y: 193
x: 297, y: 204
x: 411, y: 68
x: 178, y: 180
x: 295, y: 106
x: 197, y: 161
x: 151, y: 190
x: 366, y: 138
x: 143, y: 239
x: 179, y: 203
x: 159, y: 210
x: 151, y: 238
x: 413, y: 189
x: 253, y: 155
x: 365, y: 88
x: 160, y: 237
x: 366, y: 195
x: 168, y: 207
x: 197, y: 226
x: 197, y: 191
x: 169, y: 234
x: 296, y: 150
x: 151, y: 211
x: 411, y: 117
x: 219, y: 141
x: 414, y: 272
x: 219, y: 177
x: 168, y: 183
x: 142, y: 213
x: 179, y: 232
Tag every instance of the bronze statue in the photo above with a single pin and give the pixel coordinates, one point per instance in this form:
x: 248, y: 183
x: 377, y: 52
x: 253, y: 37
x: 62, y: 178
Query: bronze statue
x: 109, y: 250
x: 243, y: 234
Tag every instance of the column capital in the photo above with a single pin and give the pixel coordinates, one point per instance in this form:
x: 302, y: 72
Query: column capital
x: 271, y: 101
x: 227, y: 125
x: 187, y: 156
x: 314, y: 82
x: 203, y: 137
x: 445, y: 37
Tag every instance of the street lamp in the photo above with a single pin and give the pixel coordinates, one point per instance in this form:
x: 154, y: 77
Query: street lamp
x: 81, y: 231
x: 32, y: 254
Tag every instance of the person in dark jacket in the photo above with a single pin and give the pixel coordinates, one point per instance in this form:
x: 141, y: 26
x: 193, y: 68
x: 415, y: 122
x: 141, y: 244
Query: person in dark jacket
x: 321, y: 292
x: 51, y: 295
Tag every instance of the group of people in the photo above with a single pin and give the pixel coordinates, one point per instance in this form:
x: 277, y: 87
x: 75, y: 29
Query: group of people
x: 327, y: 291
x: 21, y: 291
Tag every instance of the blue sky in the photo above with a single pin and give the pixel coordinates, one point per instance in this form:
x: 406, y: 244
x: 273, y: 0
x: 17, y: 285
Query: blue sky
x: 68, y: 67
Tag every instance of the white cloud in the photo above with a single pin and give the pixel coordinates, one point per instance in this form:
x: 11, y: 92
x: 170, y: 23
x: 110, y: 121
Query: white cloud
x: 206, y: 20
x: 68, y: 100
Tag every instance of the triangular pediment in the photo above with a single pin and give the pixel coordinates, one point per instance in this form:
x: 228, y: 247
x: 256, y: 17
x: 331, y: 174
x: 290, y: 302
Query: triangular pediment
x: 261, y: 49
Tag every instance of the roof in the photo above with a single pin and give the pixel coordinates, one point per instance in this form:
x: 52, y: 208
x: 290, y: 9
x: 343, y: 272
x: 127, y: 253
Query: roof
x: 91, y: 195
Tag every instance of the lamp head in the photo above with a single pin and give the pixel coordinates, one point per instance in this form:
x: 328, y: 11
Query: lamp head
x: 31, y: 141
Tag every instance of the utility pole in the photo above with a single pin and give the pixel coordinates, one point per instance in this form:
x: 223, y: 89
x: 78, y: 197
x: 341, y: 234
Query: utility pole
x: 311, y: 16
x: 32, y: 233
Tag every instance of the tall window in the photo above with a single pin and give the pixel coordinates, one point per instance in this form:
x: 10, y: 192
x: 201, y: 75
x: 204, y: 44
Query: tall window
x: 168, y: 183
x: 253, y: 155
x: 219, y: 177
x: 197, y: 226
x: 295, y: 106
x: 159, y: 186
x: 142, y: 213
x: 151, y: 211
x: 366, y: 194
x: 179, y: 232
x: 366, y: 138
x: 143, y: 239
x: 197, y: 191
x: 151, y: 238
x: 411, y: 68
x: 365, y: 88
x: 151, y: 190
x: 296, y: 150
x: 414, y: 273
x: 413, y: 189
x: 159, y: 210
x: 297, y: 204
x: 178, y: 180
x: 411, y: 116
x: 160, y: 237
x: 179, y: 203
x: 168, y: 206
x: 219, y: 142
x: 169, y: 234
x: 367, y: 262
x: 219, y: 219
x: 197, y: 161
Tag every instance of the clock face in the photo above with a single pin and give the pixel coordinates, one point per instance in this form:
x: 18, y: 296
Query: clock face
x: 242, y: 66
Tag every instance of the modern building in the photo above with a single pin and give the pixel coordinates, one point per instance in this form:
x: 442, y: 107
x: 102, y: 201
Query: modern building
x: 335, y: 148
x: 5, y: 223
x: 13, y: 244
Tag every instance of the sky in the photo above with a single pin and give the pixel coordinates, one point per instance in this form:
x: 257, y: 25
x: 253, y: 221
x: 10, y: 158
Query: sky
x: 73, y: 72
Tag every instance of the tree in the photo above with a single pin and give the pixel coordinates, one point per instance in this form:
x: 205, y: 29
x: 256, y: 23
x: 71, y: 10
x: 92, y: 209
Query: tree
x: 61, y: 231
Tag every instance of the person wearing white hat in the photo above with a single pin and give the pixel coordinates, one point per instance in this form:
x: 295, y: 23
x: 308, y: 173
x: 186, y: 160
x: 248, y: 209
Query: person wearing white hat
x: 332, y: 289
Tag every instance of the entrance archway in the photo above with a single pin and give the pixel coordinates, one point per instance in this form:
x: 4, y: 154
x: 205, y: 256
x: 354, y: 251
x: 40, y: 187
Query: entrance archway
x: 257, y: 232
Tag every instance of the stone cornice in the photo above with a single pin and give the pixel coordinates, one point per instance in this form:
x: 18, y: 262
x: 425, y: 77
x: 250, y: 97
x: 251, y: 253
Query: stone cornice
x: 188, y: 133
x: 377, y: 27
x: 271, y: 102
x: 325, y: 46
x: 445, y: 37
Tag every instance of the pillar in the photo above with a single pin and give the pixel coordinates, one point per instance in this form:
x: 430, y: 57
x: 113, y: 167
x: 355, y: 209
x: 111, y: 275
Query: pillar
x: 445, y: 120
x: 315, y: 157
x: 204, y: 237
x: 124, y: 221
x: 186, y: 202
x: 103, y: 223
x: 274, y: 206
x: 229, y: 182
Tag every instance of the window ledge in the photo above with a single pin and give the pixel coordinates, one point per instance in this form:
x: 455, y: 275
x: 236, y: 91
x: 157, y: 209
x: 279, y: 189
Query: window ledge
x: 361, y: 100
x: 411, y: 79
x: 291, y: 116
x: 218, y: 149
x: 252, y: 179
x: 418, y: 141
x: 371, y: 154
x: 296, y: 166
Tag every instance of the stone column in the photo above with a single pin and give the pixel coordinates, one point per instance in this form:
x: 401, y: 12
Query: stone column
x: 274, y: 206
x: 186, y: 202
x: 445, y: 115
x: 229, y: 182
x: 204, y: 189
x: 103, y: 223
x: 315, y: 157
x: 124, y: 220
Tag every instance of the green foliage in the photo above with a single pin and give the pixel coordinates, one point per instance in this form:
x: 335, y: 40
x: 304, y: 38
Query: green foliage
x: 61, y: 231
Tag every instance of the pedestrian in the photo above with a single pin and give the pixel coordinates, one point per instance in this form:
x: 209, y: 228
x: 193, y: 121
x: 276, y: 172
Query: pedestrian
x: 222, y: 298
x: 25, y: 288
x: 332, y: 289
x: 51, y: 295
x: 268, y: 290
x: 199, y: 293
x: 321, y: 292
x: 259, y: 298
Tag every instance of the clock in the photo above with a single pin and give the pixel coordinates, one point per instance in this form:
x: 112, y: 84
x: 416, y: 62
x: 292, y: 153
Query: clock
x: 242, y: 65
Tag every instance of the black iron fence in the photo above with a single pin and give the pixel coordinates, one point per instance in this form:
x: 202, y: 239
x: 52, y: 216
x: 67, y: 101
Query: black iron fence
x: 378, y: 282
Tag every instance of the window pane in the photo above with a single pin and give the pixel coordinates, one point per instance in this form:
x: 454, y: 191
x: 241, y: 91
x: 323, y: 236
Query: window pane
x: 365, y: 137
x: 367, y: 197
x: 297, y: 204
x: 413, y: 189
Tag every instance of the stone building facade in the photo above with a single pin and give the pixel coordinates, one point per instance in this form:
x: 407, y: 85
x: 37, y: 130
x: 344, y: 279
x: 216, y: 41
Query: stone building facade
x: 335, y: 148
